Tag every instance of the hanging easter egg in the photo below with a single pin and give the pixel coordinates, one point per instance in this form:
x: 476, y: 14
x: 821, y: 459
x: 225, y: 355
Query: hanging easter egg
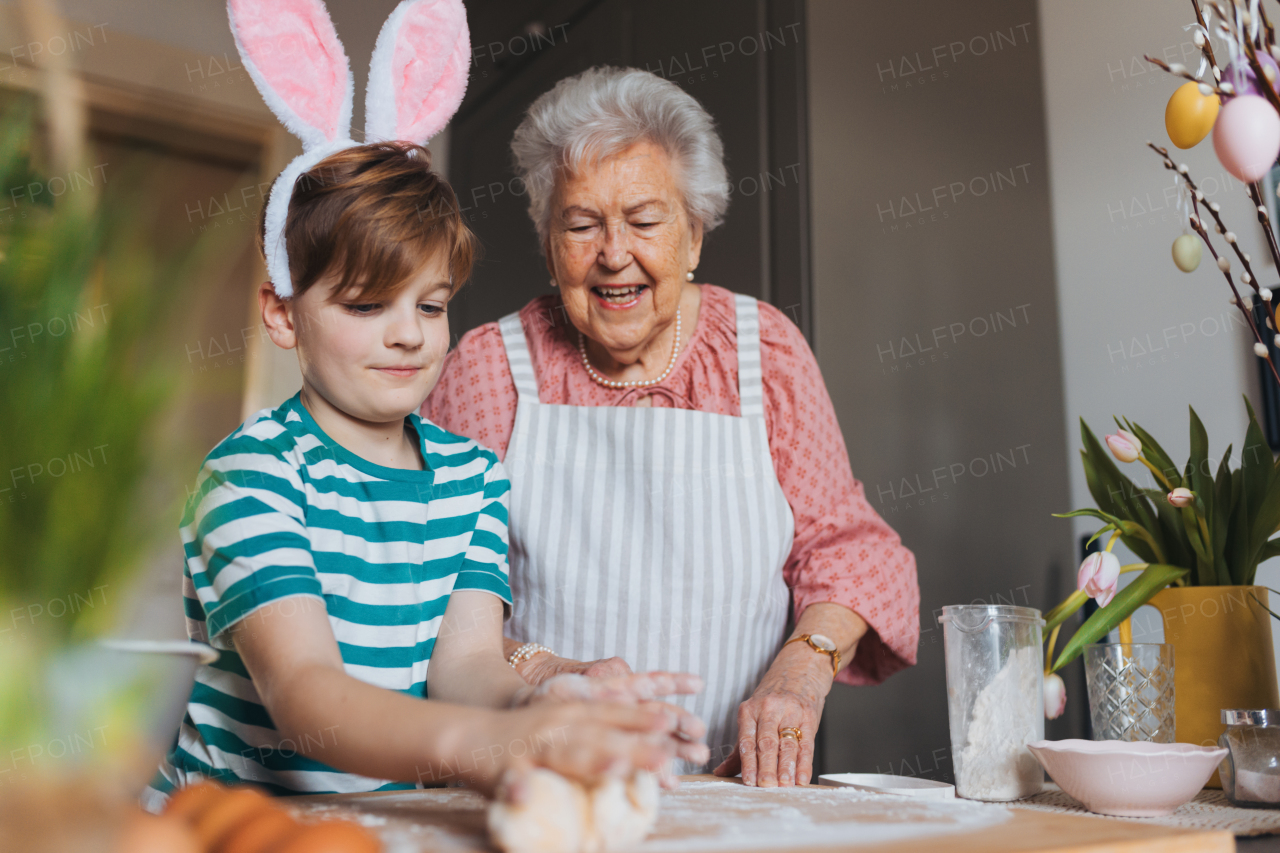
x: 1239, y: 73
x: 1186, y: 252
x: 1190, y: 115
x: 1246, y: 137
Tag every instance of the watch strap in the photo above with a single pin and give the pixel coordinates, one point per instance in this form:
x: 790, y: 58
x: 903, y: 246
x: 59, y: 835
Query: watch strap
x: 834, y: 654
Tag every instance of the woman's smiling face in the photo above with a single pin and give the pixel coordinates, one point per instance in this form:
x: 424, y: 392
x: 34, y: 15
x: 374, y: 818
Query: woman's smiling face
x: 619, y: 245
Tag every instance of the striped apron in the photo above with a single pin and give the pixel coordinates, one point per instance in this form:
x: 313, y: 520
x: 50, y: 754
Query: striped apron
x: 654, y: 534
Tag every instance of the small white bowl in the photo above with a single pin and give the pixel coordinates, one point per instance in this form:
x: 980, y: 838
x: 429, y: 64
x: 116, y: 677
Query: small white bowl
x: 1138, y: 779
x: 883, y: 783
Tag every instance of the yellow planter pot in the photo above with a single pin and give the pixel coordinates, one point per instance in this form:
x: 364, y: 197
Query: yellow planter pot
x: 1222, y: 656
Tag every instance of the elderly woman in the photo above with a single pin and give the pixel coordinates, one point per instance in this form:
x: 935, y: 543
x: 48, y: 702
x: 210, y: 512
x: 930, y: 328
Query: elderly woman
x: 678, y: 475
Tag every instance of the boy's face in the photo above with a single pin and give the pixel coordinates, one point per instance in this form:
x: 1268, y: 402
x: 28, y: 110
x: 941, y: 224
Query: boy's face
x: 378, y: 361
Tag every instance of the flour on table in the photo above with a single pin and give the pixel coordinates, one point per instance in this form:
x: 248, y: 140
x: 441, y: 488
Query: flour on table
x: 723, y: 817
x: 701, y: 816
x: 994, y: 763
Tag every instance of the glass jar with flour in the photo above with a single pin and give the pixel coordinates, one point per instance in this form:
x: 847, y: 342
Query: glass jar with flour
x: 1251, y: 770
x: 995, y: 698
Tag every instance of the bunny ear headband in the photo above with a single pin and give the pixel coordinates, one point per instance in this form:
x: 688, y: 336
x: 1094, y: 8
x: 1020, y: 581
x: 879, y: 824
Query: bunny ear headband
x: 417, y: 78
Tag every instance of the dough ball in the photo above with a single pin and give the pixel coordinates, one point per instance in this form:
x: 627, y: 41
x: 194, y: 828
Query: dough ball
x: 623, y: 812
x: 559, y: 816
x: 554, y: 817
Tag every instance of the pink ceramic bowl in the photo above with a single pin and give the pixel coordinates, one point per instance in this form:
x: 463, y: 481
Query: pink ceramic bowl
x: 1138, y: 779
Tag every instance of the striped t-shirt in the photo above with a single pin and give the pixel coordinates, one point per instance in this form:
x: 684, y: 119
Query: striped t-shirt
x: 281, y: 513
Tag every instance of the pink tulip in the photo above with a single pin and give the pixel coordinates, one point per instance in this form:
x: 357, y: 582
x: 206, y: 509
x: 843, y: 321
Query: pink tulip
x: 1055, y: 696
x: 1124, y: 446
x: 1099, y: 576
x: 1181, y: 497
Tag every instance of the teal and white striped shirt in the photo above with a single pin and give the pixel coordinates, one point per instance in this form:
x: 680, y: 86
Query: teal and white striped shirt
x: 281, y: 514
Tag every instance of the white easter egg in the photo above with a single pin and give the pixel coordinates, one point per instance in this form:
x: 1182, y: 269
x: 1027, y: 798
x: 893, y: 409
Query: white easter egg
x: 1186, y: 252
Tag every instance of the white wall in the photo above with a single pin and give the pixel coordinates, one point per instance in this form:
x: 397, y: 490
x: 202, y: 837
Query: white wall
x: 1114, y: 223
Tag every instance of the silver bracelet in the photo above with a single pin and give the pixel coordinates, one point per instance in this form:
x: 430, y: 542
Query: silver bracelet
x: 527, y: 651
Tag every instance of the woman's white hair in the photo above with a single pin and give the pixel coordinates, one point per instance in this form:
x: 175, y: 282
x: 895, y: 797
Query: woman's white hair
x: 605, y: 110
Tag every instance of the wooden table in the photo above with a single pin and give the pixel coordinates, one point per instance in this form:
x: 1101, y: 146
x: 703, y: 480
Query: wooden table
x: 711, y: 815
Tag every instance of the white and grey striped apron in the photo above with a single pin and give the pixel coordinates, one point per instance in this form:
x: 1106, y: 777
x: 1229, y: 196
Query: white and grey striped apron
x: 654, y: 534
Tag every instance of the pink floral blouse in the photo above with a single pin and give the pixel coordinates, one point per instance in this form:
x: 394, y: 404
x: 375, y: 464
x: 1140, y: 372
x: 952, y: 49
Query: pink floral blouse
x: 843, y: 551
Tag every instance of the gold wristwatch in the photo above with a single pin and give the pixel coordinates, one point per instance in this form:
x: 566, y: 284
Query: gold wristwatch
x: 822, y: 644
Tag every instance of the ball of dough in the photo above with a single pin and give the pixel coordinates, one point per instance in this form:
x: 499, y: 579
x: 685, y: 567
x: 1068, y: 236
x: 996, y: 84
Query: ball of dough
x: 554, y: 817
x: 559, y: 816
x: 623, y: 812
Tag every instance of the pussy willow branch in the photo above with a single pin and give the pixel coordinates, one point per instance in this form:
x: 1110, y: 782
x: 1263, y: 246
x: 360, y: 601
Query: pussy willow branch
x: 1197, y: 199
x: 1268, y: 33
x: 1215, y: 212
x: 1255, y: 193
x: 1251, y: 46
x: 1187, y: 75
x: 1207, y: 47
x: 1264, y: 83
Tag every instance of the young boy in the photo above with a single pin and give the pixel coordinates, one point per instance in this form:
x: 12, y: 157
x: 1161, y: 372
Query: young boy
x: 349, y: 558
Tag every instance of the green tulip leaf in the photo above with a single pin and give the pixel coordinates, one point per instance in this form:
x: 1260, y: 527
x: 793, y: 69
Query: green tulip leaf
x: 1200, y: 473
x: 1238, y: 553
x: 1131, y: 502
x: 1267, y: 516
x: 1219, y: 524
x: 1155, y: 454
x: 1153, y: 579
x: 1255, y: 463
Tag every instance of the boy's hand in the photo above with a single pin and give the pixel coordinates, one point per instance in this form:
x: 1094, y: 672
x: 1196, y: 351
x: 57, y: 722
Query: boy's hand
x: 585, y: 742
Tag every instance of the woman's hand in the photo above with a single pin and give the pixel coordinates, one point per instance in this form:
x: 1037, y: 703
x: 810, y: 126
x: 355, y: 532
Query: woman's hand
x: 541, y: 667
x: 790, y: 696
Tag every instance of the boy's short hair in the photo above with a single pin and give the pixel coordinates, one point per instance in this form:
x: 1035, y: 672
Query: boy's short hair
x: 374, y: 215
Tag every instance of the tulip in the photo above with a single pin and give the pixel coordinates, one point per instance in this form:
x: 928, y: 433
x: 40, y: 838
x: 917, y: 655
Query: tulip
x: 1124, y: 446
x: 1099, y: 576
x: 1181, y: 497
x: 1055, y: 696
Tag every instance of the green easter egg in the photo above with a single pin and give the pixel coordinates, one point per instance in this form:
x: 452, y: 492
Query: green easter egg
x: 1186, y: 252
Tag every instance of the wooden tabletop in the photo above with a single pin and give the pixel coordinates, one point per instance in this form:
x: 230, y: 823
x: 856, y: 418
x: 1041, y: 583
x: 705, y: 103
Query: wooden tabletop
x: 712, y: 815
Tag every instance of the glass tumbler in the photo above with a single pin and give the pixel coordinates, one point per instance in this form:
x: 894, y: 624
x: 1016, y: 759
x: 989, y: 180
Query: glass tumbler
x: 1130, y: 691
x: 995, y: 698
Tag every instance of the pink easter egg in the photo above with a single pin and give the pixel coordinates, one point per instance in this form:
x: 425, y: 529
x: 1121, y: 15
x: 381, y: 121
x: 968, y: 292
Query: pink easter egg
x: 1246, y: 137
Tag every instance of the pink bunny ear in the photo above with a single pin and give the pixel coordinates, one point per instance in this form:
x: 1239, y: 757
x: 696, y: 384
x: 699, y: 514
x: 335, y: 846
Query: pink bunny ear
x: 418, y: 73
x: 291, y: 51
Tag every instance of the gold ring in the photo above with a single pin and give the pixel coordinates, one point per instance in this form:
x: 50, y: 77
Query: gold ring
x: 792, y: 732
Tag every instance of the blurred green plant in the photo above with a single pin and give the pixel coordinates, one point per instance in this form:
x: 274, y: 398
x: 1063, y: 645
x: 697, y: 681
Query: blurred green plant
x: 85, y: 379
x: 1200, y: 528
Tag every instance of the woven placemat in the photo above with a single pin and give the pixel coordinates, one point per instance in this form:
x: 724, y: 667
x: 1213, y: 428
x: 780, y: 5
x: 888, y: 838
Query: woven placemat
x: 1209, y: 810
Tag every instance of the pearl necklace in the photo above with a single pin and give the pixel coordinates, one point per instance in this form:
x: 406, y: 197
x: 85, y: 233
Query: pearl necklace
x: 634, y: 383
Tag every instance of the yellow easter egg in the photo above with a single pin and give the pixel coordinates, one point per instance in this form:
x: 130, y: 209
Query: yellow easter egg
x: 1186, y: 252
x: 1190, y: 115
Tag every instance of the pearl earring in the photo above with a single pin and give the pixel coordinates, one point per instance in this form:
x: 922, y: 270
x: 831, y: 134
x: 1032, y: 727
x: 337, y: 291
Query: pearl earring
x: 688, y: 276
x: 553, y: 283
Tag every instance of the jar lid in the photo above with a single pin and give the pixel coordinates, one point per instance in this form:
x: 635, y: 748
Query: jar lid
x: 972, y: 618
x: 1250, y: 717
